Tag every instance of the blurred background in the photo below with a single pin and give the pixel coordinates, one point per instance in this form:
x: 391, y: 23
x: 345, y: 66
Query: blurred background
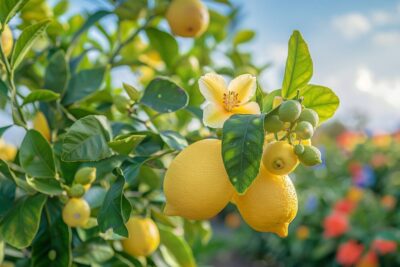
x: 348, y: 206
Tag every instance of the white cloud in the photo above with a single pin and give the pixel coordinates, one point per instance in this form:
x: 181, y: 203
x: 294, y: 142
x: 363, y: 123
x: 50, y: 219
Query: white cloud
x: 352, y: 25
x: 390, y: 38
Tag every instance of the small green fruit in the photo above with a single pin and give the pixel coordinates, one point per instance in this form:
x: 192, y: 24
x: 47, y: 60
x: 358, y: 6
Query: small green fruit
x: 311, y: 156
x: 289, y: 111
x: 85, y: 175
x: 309, y: 115
x: 298, y: 149
x: 273, y: 124
x: 304, y: 130
x: 76, y: 191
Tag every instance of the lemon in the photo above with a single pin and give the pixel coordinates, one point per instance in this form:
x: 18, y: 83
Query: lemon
x: 304, y: 130
x: 188, y: 18
x: 7, y: 152
x: 7, y: 40
x: 310, y: 116
x: 40, y: 124
x: 311, y: 156
x: 143, y: 239
x: 85, y: 176
x: 279, y: 158
x: 270, y: 203
x: 76, y: 212
x: 289, y: 111
x: 196, y: 185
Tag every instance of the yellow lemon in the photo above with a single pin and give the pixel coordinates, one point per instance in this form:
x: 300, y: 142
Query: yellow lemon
x: 7, y: 40
x: 270, y: 203
x: 188, y: 18
x: 196, y: 184
x: 279, y: 158
x: 7, y: 152
x: 143, y: 239
x: 40, y: 124
x: 76, y: 212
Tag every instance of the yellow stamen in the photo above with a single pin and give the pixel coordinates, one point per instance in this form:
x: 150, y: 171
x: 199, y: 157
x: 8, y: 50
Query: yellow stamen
x: 231, y: 100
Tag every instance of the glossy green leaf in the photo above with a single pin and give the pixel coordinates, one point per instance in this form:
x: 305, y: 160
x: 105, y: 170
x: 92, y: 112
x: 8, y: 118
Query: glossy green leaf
x: 243, y: 36
x: 260, y: 96
x: 41, y: 95
x: 130, y: 9
x: 116, y: 209
x: 48, y: 186
x: 242, y: 147
x: 177, y: 248
x: 57, y: 73
x: 174, y: 140
x: 132, y: 92
x: 9, y: 8
x: 269, y: 100
x: 61, y: 7
x: 7, y: 192
x: 131, y: 169
x: 125, y: 144
x: 93, y: 253
x: 25, y: 41
x: 321, y: 99
x: 4, y: 129
x: 164, y: 96
x: 21, y: 223
x: 36, y: 156
x: 87, y: 140
x: 165, y: 44
x: 299, y: 66
x: 83, y: 84
x: 3, y: 94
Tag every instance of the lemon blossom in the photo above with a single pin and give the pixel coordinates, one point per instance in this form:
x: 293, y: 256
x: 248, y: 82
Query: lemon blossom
x: 225, y: 100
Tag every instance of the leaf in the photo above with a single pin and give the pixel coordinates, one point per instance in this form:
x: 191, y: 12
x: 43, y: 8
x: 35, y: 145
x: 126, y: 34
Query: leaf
x: 41, y: 95
x: 84, y: 83
x: 125, y: 144
x: 243, y: 36
x: 21, y: 223
x: 299, y: 66
x: 25, y: 41
x: 131, y: 169
x: 260, y: 96
x: 269, y: 100
x: 321, y: 99
x: 87, y: 140
x: 176, y: 247
x: 9, y: 8
x: 47, y: 186
x: 174, y: 140
x: 116, y: 209
x: 4, y: 129
x: 242, y: 147
x: 165, y: 44
x: 132, y: 92
x: 36, y: 156
x: 164, y: 96
x: 130, y: 9
x: 57, y: 73
x: 7, y: 193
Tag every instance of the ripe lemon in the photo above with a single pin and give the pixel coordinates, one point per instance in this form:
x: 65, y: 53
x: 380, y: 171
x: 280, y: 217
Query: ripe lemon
x: 279, y: 158
x: 7, y: 40
x: 143, y: 239
x: 270, y: 203
x: 76, y: 212
x: 40, y: 124
x: 7, y: 152
x: 196, y: 184
x: 188, y: 18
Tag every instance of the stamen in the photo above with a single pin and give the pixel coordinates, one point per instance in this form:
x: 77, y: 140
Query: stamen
x: 231, y: 100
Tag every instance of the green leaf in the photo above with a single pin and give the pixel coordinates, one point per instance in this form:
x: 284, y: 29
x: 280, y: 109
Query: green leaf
x: 130, y: 9
x: 269, y: 100
x: 41, y: 95
x: 3, y: 94
x: 174, y: 140
x: 260, y: 96
x: 61, y: 7
x: 87, y: 140
x: 84, y: 83
x: 164, y: 96
x: 9, y: 8
x: 165, y: 44
x: 132, y: 168
x: 21, y: 223
x: 132, y: 92
x: 321, y: 99
x: 126, y: 143
x: 242, y: 147
x: 116, y: 209
x: 177, y: 248
x: 57, y: 73
x: 243, y: 36
x: 299, y: 66
x: 4, y: 129
x: 25, y: 41
x: 48, y: 186
x: 36, y: 156
x: 7, y: 193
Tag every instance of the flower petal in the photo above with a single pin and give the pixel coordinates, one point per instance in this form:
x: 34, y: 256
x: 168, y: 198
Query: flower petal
x: 249, y: 108
x: 212, y: 87
x: 245, y: 85
x: 214, y: 116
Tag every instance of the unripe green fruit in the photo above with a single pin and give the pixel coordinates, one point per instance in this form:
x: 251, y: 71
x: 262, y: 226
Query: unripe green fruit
x: 77, y: 191
x: 289, y: 111
x: 298, y: 149
x: 85, y: 175
x: 273, y: 124
x: 311, y: 156
x: 304, y: 130
x: 309, y: 115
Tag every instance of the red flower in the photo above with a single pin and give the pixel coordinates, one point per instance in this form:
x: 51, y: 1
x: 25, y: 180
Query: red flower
x: 349, y: 253
x: 384, y: 246
x: 344, y: 206
x: 370, y: 259
x: 335, y: 225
